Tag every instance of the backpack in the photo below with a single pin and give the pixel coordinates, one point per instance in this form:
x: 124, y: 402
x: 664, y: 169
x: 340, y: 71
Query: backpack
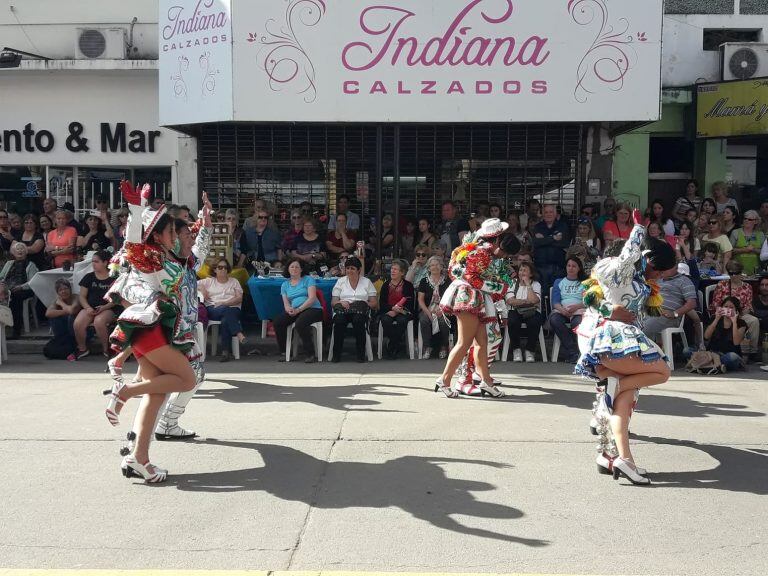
x: 706, y: 363
x: 59, y: 347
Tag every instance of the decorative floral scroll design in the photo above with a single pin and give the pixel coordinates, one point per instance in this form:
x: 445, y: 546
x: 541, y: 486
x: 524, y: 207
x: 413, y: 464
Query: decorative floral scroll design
x: 179, y: 84
x: 208, y: 86
x: 611, y: 55
x: 282, y: 55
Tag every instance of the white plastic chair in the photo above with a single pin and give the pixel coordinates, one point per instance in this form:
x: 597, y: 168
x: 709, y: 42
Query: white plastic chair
x: 292, y: 344
x: 201, y: 340
x: 3, y: 346
x: 666, y: 340
x: 542, y: 345
x: 420, y: 342
x: 213, y: 326
x: 708, y: 292
x: 408, y: 337
x: 556, y: 344
x: 368, y: 346
x: 29, y: 310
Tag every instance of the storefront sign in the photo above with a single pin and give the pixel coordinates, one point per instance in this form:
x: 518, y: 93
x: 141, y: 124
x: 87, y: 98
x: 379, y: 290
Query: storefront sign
x: 112, y: 138
x: 413, y: 60
x: 732, y: 109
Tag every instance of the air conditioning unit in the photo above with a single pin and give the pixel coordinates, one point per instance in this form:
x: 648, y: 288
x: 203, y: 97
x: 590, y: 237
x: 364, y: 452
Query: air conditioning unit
x: 100, y: 44
x: 743, y: 60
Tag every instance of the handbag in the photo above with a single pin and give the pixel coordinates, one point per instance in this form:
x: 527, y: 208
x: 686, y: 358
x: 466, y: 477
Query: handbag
x: 528, y: 311
x: 706, y: 363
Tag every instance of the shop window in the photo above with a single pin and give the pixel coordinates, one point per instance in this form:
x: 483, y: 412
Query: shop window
x: 714, y: 37
x: 22, y: 188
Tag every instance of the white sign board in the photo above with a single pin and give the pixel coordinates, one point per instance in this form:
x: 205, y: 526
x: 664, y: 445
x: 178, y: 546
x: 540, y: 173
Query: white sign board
x: 441, y: 61
x: 195, y: 61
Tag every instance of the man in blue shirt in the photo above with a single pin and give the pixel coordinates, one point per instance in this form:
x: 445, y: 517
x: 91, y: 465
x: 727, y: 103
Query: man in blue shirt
x: 551, y: 238
x: 264, y: 243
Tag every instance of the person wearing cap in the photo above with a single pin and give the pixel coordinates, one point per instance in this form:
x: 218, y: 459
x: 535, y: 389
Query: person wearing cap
x: 69, y: 209
x: 614, y: 349
x: 680, y: 300
x: 477, y: 284
x: 97, y: 234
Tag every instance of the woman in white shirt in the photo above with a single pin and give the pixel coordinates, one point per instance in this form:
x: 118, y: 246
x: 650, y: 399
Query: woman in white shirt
x: 354, y: 296
x: 524, y: 301
x: 223, y: 297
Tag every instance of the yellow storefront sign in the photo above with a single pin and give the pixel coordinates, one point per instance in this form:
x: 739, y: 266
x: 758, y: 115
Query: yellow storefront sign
x: 732, y: 109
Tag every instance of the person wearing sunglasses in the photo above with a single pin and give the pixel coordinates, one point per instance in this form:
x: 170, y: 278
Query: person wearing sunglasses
x: 295, y: 230
x: 263, y: 242
x: 747, y: 242
x: 223, y: 297
x: 419, y: 269
x: 33, y: 239
x: 716, y: 236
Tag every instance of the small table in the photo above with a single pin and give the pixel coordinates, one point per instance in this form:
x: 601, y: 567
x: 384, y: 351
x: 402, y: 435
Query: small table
x: 265, y: 293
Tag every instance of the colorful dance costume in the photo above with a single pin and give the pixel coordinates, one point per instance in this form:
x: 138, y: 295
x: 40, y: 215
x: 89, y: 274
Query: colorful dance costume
x: 616, y: 281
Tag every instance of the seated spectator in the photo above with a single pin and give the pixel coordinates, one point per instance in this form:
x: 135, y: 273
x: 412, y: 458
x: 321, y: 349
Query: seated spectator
x: 550, y: 241
x: 620, y: 227
x: 435, y: 326
x: 680, y: 299
x: 15, y: 222
x: 263, y: 242
x: 34, y: 241
x: 725, y: 334
x: 609, y: 214
x: 94, y: 310
x: 398, y: 307
x: 440, y: 250
x: 568, y: 308
x: 707, y: 210
x: 760, y: 306
x: 495, y: 210
x: 658, y: 213
x: 426, y: 235
x: 96, y: 234
x: 716, y: 236
x: 46, y: 225
x: 747, y: 242
x: 709, y: 263
x: 310, y: 247
x: 301, y: 305
x: 513, y: 219
x: 62, y: 241
x: 408, y: 239
x: 687, y: 246
x: 721, y: 197
x: 16, y: 275
x: 223, y: 297
x: 524, y: 301
x: 730, y: 220
x: 742, y: 291
x: 62, y: 313
x: 340, y: 240
x: 586, y: 245
x: 296, y: 228
x: 354, y: 296
x: 691, y: 201
x: 655, y: 230
x: 418, y: 269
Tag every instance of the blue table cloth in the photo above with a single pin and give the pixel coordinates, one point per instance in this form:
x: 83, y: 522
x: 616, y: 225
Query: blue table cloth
x: 265, y: 293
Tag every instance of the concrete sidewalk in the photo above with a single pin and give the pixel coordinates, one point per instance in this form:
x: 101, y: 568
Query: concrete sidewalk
x: 363, y: 467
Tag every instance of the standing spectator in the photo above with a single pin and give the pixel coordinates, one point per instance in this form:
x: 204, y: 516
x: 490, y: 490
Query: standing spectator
x: 517, y: 230
x: 609, y: 214
x: 588, y: 211
x: 118, y: 230
x: 760, y: 306
x: 398, y: 307
x: 263, y: 241
x: 435, y: 326
x: 454, y: 227
x: 708, y: 209
x: 620, y: 227
x: 721, y: 198
x: 340, y: 240
x: 524, y: 301
x: 354, y: 296
x: 310, y: 247
x: 494, y: 210
x: 680, y: 299
x: 690, y: 201
x: 62, y: 241
x: 97, y: 235
x: 46, y: 225
x: 223, y: 297
x: 69, y: 210
x: 730, y: 220
x: 408, y: 239
x: 586, y: 243
x: 94, y: 310
x: 34, y: 241
x: 568, y: 308
x: 102, y: 206
x: 737, y: 288
x: 301, y: 305
x: 239, y: 243
x: 16, y: 225
x: 387, y: 236
x: 6, y: 235
x: 716, y: 236
x: 764, y: 216
x: 426, y: 236
x: 342, y: 207
x: 725, y: 335
x: 419, y: 268
x: 532, y: 213
x: 16, y: 275
x: 747, y: 242
x: 296, y: 228
x: 550, y: 241
x: 63, y: 311
x: 49, y: 208
x: 658, y: 213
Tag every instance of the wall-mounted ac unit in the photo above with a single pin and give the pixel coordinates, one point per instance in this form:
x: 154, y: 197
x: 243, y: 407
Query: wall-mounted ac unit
x: 100, y: 44
x: 742, y: 61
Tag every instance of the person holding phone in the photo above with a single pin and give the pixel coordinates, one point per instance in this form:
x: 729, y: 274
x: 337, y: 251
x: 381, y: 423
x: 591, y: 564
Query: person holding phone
x: 725, y: 334
x: 398, y: 307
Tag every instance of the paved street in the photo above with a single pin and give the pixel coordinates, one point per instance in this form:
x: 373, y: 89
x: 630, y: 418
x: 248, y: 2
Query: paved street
x: 323, y: 467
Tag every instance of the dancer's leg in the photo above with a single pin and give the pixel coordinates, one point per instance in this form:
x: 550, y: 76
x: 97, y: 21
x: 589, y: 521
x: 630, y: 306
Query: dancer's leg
x: 146, y: 416
x: 174, y: 374
x: 467, y: 328
x: 622, y: 412
x: 635, y: 374
x: 481, y: 353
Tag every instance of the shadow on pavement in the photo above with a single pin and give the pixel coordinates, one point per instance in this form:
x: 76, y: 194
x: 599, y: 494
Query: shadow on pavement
x: 739, y: 470
x: 650, y: 403
x: 333, y: 397
x: 416, y: 485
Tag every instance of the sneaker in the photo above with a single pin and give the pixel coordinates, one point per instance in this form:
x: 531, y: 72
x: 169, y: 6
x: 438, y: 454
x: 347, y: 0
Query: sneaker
x: 529, y: 357
x: 443, y: 354
x: 82, y: 354
x: 517, y: 355
x: 764, y: 367
x: 427, y: 354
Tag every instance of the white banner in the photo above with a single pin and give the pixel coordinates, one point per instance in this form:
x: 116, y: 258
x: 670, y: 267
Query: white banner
x: 441, y: 61
x: 195, y: 61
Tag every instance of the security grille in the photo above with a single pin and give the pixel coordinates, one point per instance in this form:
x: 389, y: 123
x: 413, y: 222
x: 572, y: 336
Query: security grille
x: 289, y: 164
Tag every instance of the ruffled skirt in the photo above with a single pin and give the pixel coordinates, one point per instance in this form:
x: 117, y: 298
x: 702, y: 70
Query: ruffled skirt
x: 600, y: 338
x: 461, y: 297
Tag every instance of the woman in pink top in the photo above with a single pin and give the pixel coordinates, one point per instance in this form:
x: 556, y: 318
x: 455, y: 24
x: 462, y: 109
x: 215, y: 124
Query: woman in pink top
x: 223, y: 297
x: 619, y: 228
x: 62, y: 241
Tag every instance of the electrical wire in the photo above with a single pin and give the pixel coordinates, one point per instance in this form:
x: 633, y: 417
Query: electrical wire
x: 16, y: 17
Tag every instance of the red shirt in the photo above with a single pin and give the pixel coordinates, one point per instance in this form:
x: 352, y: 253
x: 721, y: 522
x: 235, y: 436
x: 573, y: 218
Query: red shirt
x: 395, y: 293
